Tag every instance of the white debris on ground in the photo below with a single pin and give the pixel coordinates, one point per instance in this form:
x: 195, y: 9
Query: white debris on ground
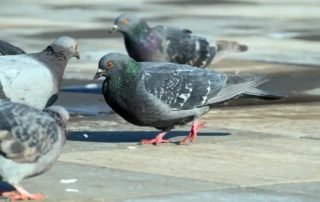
x: 72, y: 190
x: 68, y: 181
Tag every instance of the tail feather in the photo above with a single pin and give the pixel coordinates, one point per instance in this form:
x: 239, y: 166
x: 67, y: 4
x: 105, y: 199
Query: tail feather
x: 224, y: 48
x: 262, y: 94
x: 237, y: 85
x: 231, y: 46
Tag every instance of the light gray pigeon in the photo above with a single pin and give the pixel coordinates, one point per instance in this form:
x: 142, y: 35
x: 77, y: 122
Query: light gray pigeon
x: 163, y: 95
x: 9, y: 49
x: 30, y: 143
x: 170, y: 44
x: 35, y: 79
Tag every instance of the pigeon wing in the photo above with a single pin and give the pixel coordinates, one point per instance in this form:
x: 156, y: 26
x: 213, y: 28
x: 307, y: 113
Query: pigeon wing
x: 181, y: 86
x: 183, y: 47
x: 23, y: 140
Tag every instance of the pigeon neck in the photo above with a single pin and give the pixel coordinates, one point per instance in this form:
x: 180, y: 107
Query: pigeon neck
x: 140, y: 32
x: 127, y: 78
x: 55, y: 58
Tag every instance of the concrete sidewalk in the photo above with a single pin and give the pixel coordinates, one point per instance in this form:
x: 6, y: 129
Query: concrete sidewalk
x: 223, y: 165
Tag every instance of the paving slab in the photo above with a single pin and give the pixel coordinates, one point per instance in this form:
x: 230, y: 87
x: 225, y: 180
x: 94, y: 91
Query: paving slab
x: 249, y: 162
x: 223, y: 195
x: 96, y: 183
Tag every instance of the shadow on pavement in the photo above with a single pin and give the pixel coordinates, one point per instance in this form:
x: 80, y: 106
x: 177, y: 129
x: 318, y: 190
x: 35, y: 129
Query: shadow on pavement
x: 128, y: 136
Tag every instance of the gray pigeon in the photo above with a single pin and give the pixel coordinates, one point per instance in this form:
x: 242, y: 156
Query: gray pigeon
x: 35, y: 79
x: 163, y: 95
x: 30, y: 143
x: 9, y: 49
x: 170, y: 44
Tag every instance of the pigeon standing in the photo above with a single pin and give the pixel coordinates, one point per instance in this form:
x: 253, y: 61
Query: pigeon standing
x: 170, y: 44
x: 35, y: 79
x: 9, y: 49
x: 30, y: 143
x: 163, y: 95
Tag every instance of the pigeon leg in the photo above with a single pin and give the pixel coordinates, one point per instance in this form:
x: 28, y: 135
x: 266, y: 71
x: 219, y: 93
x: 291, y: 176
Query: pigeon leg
x: 158, y: 139
x: 193, y: 132
x: 24, y: 195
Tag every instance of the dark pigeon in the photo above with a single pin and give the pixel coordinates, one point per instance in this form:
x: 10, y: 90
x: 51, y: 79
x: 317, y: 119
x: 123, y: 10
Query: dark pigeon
x: 30, y: 143
x: 170, y: 44
x: 35, y: 79
x: 9, y: 49
x: 163, y: 95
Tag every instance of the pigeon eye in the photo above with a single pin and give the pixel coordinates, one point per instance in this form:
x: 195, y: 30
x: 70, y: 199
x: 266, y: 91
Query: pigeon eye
x: 124, y: 22
x: 76, y: 46
x: 109, y: 64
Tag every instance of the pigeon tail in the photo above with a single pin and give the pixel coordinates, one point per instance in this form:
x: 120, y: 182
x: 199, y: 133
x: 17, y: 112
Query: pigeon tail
x: 224, y: 48
x: 262, y: 94
x: 231, y: 46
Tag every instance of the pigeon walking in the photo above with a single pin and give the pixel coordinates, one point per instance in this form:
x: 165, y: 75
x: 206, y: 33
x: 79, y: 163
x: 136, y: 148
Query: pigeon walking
x: 170, y: 44
x: 163, y: 95
x: 30, y: 143
x: 35, y: 79
x: 9, y: 49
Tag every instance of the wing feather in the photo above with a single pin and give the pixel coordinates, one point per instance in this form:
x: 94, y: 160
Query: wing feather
x: 181, y: 86
x: 21, y: 139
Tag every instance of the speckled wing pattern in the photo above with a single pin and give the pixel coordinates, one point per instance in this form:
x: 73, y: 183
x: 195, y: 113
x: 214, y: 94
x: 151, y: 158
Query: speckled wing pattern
x: 183, y: 47
x: 181, y: 86
x: 24, y: 139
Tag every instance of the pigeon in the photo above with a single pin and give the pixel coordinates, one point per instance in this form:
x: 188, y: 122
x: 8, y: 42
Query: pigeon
x: 164, y: 95
x: 30, y: 143
x: 9, y: 49
x: 35, y: 79
x: 170, y: 44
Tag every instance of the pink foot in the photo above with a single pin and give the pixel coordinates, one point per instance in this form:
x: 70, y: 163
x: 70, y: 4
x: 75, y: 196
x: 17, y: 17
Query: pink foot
x: 156, y: 140
x: 8, y: 193
x: 24, y: 195
x: 193, y: 132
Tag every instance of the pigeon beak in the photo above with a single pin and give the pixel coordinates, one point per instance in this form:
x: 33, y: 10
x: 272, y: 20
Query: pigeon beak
x: 77, y: 55
x: 98, y: 74
x: 113, y: 29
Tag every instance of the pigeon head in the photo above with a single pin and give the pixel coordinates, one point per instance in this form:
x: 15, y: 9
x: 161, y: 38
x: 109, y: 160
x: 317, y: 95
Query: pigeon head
x: 117, y: 65
x: 127, y: 23
x: 68, y: 44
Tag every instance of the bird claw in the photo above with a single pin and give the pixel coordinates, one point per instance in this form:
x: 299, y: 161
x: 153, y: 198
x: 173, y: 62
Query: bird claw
x: 27, y: 197
x: 8, y: 193
x: 154, y: 141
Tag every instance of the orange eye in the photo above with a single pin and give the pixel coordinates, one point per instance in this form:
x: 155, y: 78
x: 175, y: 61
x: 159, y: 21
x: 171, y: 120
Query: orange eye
x: 76, y: 46
x: 109, y: 64
x: 124, y: 22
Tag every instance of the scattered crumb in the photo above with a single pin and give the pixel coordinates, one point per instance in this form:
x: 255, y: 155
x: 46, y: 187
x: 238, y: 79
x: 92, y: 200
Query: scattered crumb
x: 67, y: 181
x: 131, y: 147
x: 72, y: 190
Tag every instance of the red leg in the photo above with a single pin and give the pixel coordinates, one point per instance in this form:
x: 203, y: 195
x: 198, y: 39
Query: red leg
x: 24, y: 195
x: 158, y: 139
x: 193, y: 132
